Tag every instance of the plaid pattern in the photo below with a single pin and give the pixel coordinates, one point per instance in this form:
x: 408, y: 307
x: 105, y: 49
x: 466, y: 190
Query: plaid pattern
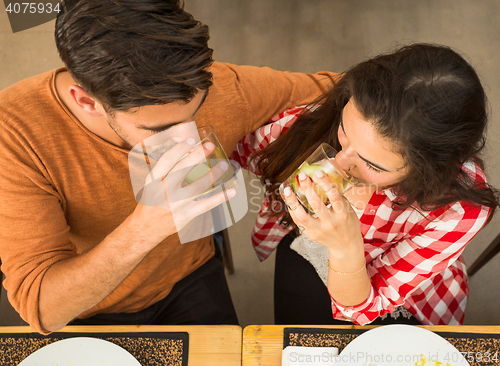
x: 413, y: 258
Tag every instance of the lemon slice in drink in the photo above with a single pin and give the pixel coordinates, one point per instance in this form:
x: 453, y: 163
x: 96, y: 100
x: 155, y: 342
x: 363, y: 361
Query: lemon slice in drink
x: 198, y: 171
x: 308, y: 170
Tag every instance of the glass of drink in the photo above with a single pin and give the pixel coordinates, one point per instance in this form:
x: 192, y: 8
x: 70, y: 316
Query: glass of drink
x: 323, y: 158
x: 207, y: 134
x: 196, y: 166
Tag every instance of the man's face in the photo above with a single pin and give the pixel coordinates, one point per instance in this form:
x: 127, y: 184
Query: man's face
x: 138, y: 124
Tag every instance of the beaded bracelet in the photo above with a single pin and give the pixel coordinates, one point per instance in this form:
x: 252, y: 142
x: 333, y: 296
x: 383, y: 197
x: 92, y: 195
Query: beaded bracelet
x: 346, y: 273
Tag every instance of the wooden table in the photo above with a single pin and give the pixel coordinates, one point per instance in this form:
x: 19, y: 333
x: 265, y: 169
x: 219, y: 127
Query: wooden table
x: 262, y: 344
x: 217, y: 345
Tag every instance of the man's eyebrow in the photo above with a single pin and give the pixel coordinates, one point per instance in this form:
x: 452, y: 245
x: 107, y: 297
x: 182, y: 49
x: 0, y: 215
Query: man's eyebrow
x: 159, y: 128
x: 362, y: 158
x: 172, y: 124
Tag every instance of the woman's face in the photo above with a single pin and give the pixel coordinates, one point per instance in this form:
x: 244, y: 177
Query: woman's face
x: 365, y: 154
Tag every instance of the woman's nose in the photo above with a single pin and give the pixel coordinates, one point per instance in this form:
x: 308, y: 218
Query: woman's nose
x: 345, y: 159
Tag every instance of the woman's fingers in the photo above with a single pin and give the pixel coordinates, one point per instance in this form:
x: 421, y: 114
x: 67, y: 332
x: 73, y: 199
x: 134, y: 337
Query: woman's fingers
x: 315, y: 201
x: 338, y: 203
x: 299, y: 215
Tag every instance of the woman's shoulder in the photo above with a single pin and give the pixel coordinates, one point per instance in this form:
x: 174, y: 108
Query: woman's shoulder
x: 278, y: 125
x: 454, y: 213
x: 474, y: 170
x: 461, y: 211
x: 292, y: 113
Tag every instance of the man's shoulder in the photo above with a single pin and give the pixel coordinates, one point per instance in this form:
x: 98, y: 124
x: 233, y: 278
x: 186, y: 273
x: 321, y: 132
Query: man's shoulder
x: 41, y: 80
x: 223, y: 70
x: 226, y: 68
x: 30, y: 106
x: 31, y: 97
x: 230, y: 75
x: 235, y: 80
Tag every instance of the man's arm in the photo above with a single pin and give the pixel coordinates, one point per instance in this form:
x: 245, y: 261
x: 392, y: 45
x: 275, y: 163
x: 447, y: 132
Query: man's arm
x: 269, y: 92
x: 74, y: 285
x: 243, y: 98
x: 70, y: 284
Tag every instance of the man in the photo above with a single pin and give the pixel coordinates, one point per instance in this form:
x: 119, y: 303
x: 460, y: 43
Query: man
x: 74, y: 242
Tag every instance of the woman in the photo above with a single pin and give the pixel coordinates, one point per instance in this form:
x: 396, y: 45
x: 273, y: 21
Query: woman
x: 409, y: 127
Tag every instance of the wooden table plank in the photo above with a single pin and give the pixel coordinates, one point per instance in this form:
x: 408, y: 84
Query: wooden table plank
x: 262, y: 344
x: 209, y: 345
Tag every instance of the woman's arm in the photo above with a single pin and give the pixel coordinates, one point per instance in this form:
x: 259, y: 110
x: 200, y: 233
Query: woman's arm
x: 408, y: 270
x: 348, y: 280
x: 338, y: 229
x: 48, y: 282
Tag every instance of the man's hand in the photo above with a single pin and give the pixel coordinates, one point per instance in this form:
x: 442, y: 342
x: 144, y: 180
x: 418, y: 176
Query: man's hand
x: 165, y: 205
x: 71, y: 287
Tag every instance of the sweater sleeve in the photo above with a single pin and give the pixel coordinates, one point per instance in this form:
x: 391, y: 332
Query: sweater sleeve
x: 243, y: 98
x: 269, y: 92
x: 27, y: 253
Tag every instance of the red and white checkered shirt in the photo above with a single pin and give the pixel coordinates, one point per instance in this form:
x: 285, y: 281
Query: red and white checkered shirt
x: 413, y: 261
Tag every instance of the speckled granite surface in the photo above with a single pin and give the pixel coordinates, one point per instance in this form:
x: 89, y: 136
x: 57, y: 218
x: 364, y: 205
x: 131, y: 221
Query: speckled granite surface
x: 150, y: 349
x: 480, y: 345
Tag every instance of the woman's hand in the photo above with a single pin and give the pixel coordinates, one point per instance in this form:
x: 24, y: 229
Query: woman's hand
x: 337, y: 227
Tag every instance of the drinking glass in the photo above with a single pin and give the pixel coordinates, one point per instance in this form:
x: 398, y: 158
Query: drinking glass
x: 323, y: 158
x: 157, y: 145
x: 207, y: 134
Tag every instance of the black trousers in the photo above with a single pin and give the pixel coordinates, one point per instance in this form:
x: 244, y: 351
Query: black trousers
x: 300, y: 297
x: 201, y: 298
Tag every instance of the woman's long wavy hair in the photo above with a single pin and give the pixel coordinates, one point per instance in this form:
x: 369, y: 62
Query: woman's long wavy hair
x: 424, y: 98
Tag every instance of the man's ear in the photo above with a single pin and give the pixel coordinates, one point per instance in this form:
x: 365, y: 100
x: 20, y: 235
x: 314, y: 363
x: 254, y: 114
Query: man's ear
x: 85, y: 101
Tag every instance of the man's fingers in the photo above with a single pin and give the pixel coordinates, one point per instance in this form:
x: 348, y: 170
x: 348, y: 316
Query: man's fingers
x: 197, y: 155
x: 197, y: 208
x: 207, y: 181
x: 169, y: 159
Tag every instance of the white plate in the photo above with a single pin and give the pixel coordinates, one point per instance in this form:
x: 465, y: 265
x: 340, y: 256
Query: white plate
x: 80, y: 351
x: 399, y: 345
x: 304, y: 356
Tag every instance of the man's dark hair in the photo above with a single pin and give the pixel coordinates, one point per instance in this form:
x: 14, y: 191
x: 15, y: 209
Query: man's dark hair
x: 132, y: 53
